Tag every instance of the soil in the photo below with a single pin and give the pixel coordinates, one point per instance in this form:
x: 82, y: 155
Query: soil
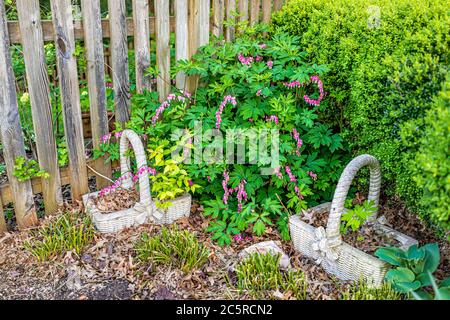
x: 119, y: 199
x: 107, y: 269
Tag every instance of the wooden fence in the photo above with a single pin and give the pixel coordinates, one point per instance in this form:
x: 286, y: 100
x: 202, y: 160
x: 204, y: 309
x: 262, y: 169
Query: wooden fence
x: 192, y: 21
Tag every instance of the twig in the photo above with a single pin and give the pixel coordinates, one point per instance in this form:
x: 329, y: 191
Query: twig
x: 99, y: 174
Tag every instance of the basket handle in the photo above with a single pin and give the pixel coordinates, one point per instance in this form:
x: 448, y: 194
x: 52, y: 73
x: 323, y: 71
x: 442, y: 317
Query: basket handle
x: 337, y: 206
x: 138, y: 147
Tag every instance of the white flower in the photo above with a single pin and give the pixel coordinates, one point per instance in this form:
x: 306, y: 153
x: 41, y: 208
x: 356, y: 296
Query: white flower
x: 322, y: 247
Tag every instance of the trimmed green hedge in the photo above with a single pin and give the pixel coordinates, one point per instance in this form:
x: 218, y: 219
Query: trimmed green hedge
x: 431, y: 165
x: 388, y: 61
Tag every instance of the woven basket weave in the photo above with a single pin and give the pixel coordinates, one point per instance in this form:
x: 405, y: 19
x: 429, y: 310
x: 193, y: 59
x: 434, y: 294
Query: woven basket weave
x: 145, y: 210
x: 326, y: 247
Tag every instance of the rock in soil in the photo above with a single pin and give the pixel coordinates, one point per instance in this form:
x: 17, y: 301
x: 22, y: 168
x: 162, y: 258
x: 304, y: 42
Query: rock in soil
x: 267, y: 247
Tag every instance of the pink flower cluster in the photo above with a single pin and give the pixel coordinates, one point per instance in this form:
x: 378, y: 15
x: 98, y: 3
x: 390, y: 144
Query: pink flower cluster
x: 270, y: 64
x: 278, y: 173
x: 297, y: 191
x: 165, y: 104
x: 263, y: 46
x: 299, y: 141
x: 225, y: 180
x: 238, y: 237
x: 115, y: 185
x: 245, y: 60
x: 107, y: 137
x: 225, y: 100
x: 241, y: 194
x: 315, y: 102
x: 312, y: 175
x: 272, y: 118
x: 258, y: 93
x: 291, y: 176
x: 141, y: 170
x: 293, y: 84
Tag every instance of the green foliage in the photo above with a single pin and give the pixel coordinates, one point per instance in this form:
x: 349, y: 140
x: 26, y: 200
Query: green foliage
x: 362, y: 291
x: 441, y: 292
x: 385, y: 70
x: 413, y: 268
x: 68, y: 232
x: 179, y: 249
x: 260, y: 92
x: 28, y: 169
x: 171, y: 179
x: 259, y: 274
x: 354, y: 218
x: 431, y: 165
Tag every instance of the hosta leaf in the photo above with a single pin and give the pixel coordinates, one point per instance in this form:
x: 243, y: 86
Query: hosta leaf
x: 432, y: 257
x: 390, y: 255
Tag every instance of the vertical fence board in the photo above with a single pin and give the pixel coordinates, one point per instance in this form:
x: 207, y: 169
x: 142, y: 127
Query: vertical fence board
x: 70, y: 95
x: 11, y: 131
x: 93, y: 40
x: 141, y: 20
x: 204, y: 22
x: 119, y: 57
x: 254, y: 11
x: 163, y: 47
x: 41, y: 109
x: 243, y: 10
x: 2, y: 215
x: 231, y: 19
x: 181, y: 38
x: 219, y: 13
x: 193, y: 26
x: 267, y: 10
x: 277, y: 4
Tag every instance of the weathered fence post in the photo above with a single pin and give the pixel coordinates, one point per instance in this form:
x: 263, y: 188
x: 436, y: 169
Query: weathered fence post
x: 11, y: 131
x: 254, y: 11
x: 119, y: 56
x: 277, y: 4
x: 2, y: 219
x: 163, y: 47
x: 231, y: 19
x: 93, y: 40
x: 70, y: 95
x: 181, y: 38
x: 243, y: 10
x: 219, y: 13
x: 41, y: 109
x: 267, y: 10
x: 204, y: 22
x: 141, y: 20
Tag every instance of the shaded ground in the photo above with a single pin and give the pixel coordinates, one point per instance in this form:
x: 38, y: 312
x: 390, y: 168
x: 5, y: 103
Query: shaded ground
x: 107, y: 270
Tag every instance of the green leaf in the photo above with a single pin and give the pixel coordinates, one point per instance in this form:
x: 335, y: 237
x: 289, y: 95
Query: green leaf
x: 259, y: 227
x: 432, y: 257
x: 391, y: 255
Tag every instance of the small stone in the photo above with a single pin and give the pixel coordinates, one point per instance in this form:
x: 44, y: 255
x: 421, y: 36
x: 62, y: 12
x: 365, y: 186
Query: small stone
x: 267, y: 247
x: 86, y: 258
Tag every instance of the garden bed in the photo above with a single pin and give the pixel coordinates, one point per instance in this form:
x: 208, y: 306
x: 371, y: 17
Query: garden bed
x: 107, y: 269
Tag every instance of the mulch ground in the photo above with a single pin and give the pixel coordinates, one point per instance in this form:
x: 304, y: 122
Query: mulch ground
x: 107, y: 270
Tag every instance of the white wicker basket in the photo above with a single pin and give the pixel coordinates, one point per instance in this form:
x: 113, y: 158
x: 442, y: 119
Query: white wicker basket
x: 145, y: 210
x: 326, y: 247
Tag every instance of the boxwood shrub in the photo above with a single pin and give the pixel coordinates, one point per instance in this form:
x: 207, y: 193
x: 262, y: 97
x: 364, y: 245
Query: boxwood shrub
x: 388, y: 60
